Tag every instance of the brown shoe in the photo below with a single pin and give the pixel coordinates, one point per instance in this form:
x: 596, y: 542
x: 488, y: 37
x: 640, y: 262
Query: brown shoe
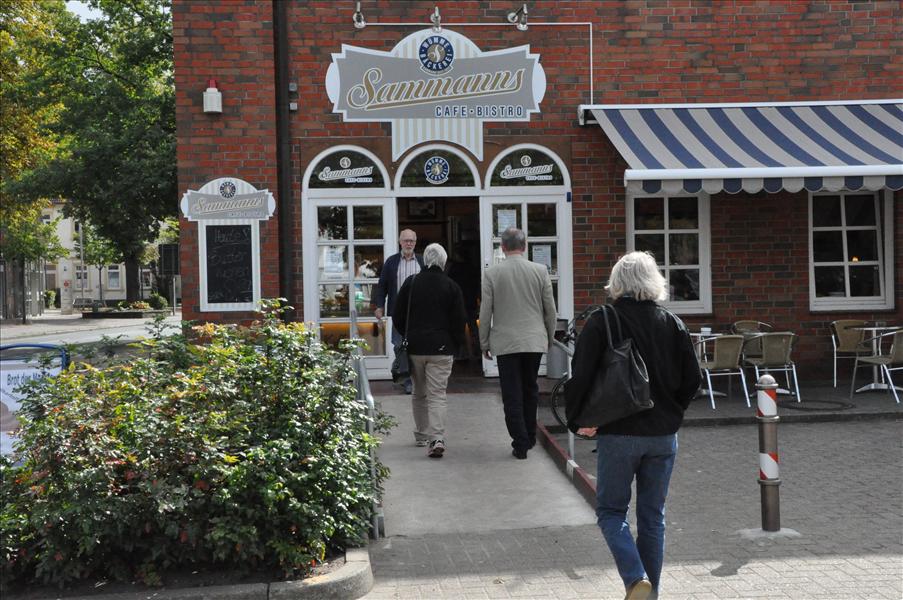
x: 640, y: 589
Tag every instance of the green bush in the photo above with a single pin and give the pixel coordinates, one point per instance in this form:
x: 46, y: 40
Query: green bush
x: 49, y: 298
x: 247, y: 451
x: 157, y: 302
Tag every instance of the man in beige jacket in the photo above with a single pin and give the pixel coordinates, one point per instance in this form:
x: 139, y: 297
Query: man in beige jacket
x: 517, y: 321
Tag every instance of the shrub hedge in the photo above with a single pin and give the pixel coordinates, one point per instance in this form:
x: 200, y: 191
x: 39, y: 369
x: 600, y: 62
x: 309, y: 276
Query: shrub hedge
x: 247, y: 451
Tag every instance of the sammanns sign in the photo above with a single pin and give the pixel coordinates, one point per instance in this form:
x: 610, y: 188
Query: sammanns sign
x: 435, y: 86
x: 227, y: 198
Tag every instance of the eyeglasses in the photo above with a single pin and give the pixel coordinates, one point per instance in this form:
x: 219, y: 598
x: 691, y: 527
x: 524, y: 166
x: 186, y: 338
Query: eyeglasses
x: 406, y: 241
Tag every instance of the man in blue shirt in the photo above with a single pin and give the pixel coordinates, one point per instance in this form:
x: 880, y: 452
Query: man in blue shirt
x: 396, y: 270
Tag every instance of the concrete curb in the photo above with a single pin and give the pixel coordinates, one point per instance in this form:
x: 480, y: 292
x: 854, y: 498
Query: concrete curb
x: 581, y: 480
x: 351, y: 581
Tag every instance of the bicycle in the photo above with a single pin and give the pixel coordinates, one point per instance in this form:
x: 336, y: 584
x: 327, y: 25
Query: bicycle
x: 567, y: 342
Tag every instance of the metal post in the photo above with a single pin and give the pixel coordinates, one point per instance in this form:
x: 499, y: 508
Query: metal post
x: 81, y: 248
x: 769, y: 471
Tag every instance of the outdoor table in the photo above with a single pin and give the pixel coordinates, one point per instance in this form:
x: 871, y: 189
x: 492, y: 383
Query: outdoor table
x: 878, y: 382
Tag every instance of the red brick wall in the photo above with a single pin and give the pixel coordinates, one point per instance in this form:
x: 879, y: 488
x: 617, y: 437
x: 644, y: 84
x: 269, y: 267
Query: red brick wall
x: 231, y: 41
x: 643, y: 52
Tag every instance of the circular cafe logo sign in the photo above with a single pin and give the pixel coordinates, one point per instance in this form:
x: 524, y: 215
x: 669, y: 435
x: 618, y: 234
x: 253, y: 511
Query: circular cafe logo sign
x: 344, y: 162
x: 525, y: 160
x: 227, y: 189
x: 436, y: 170
x: 436, y: 54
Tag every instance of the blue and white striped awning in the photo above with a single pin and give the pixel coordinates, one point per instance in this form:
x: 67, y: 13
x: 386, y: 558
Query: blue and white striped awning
x: 816, y: 146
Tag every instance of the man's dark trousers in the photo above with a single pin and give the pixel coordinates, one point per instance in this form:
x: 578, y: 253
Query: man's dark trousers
x: 520, y: 396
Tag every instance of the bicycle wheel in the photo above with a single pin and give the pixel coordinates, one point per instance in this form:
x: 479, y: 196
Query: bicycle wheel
x: 558, y: 403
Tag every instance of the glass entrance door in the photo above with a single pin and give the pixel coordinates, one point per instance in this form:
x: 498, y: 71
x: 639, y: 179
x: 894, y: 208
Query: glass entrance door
x: 545, y: 219
x: 346, y: 251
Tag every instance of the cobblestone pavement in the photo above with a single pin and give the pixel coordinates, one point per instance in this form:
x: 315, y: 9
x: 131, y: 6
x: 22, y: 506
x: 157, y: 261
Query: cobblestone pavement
x: 841, y: 490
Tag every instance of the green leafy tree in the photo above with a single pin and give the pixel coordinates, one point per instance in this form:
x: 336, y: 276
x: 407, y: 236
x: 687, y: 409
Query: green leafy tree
x: 25, y: 238
x: 116, y: 161
x: 29, y: 102
x: 98, y: 252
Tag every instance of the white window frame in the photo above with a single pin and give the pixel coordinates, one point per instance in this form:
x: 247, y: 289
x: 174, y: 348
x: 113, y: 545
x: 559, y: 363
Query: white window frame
x: 378, y: 366
x: 118, y: 270
x: 683, y: 307
x: 885, y: 258
x: 255, y: 266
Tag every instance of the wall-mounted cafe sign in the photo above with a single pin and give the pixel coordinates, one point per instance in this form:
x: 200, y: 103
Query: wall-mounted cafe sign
x: 435, y: 86
x: 227, y: 198
x: 346, y: 169
x: 527, y: 170
x: 526, y: 167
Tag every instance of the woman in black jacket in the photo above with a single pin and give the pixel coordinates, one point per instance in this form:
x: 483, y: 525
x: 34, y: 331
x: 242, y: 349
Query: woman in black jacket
x: 642, y: 446
x: 434, y: 329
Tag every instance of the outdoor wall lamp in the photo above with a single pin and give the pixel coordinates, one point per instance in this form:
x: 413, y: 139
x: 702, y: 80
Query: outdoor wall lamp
x: 358, y: 18
x: 213, y: 99
x: 519, y: 17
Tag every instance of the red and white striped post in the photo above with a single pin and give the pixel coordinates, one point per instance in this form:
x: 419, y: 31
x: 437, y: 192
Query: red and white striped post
x: 769, y: 470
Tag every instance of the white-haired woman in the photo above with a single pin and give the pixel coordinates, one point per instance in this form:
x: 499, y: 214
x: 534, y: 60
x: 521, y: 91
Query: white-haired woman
x: 642, y: 446
x: 434, y: 329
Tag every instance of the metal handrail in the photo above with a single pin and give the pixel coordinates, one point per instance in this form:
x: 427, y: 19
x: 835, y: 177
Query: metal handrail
x: 362, y: 385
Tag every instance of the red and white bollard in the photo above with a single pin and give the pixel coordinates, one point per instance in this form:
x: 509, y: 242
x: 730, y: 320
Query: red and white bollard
x: 769, y: 470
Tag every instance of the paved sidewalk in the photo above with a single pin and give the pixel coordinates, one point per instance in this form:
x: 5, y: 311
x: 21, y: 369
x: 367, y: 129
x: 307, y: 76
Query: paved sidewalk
x: 479, y: 524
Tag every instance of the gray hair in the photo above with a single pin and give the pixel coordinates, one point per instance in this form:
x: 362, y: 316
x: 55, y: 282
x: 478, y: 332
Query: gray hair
x: 514, y: 239
x: 637, y: 275
x: 435, y: 255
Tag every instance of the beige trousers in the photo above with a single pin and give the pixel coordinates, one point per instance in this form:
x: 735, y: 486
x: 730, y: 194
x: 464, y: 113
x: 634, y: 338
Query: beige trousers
x: 430, y: 375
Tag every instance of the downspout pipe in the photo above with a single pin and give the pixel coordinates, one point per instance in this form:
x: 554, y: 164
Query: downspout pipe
x: 285, y: 205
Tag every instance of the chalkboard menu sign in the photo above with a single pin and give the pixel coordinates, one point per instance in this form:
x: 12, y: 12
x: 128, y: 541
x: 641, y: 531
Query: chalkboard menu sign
x: 229, y: 270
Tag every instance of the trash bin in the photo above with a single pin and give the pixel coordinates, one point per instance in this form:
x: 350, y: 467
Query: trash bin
x: 557, y: 358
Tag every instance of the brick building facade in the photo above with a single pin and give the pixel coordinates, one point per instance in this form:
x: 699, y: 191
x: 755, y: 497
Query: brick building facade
x: 752, y: 254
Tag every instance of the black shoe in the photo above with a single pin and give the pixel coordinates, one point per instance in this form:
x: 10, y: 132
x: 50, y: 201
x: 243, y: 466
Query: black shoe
x: 437, y: 449
x: 532, y: 443
x: 519, y: 454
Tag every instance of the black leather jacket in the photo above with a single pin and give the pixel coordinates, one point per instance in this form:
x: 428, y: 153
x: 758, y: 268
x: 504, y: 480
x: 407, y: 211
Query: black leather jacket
x: 437, y: 313
x: 663, y: 341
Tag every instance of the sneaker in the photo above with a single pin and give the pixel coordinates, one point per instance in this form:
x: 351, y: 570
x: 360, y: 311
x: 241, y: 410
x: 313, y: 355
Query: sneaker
x: 421, y: 443
x: 437, y: 449
x: 640, y: 589
x: 408, y: 387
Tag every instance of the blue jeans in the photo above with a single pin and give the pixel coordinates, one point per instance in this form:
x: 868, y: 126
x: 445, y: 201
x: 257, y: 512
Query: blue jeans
x: 650, y: 460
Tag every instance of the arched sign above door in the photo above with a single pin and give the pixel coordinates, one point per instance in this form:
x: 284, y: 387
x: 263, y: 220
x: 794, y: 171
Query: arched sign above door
x: 437, y: 168
x: 346, y: 169
x: 526, y: 167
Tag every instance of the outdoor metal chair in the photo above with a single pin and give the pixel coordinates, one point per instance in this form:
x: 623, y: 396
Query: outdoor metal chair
x: 725, y: 361
x: 776, y: 350
x: 893, y: 361
x: 751, y: 329
x: 847, y: 342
